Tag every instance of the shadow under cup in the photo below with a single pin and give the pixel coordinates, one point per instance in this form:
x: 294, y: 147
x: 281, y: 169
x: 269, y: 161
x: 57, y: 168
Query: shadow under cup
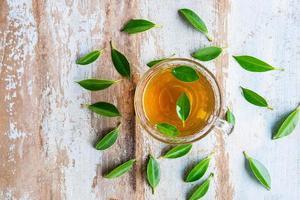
x: 214, y: 119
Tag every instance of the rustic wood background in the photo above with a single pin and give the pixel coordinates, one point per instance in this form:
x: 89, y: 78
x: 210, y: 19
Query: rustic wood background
x: 47, y: 137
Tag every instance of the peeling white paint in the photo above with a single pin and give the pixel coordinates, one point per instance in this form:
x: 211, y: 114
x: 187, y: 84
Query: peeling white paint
x: 23, y: 41
x: 14, y: 133
x: 9, y: 194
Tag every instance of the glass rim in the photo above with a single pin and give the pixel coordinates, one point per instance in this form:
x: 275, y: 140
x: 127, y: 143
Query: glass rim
x: 139, y: 108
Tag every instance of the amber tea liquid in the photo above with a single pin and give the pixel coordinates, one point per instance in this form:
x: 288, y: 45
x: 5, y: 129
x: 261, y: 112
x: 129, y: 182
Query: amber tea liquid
x: 160, y: 96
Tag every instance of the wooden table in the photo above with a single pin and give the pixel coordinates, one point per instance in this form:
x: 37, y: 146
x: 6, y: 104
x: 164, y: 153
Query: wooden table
x: 47, y: 137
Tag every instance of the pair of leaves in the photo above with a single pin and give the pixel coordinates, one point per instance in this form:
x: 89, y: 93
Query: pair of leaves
x: 254, y: 98
x: 120, y: 170
x: 198, y: 170
x: 193, y: 19
x: 138, y: 25
x: 253, y: 64
x: 178, y: 151
x: 153, y: 172
x: 183, y: 111
x: 96, y: 84
x: 204, y: 54
x: 108, y: 140
x: 202, y: 189
x: 185, y: 73
x: 207, y: 53
x: 288, y: 125
x: 119, y: 60
x: 105, y: 109
x: 89, y: 58
x: 259, y: 171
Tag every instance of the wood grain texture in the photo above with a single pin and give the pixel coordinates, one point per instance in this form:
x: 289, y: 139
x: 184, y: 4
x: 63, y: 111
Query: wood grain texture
x: 47, y: 136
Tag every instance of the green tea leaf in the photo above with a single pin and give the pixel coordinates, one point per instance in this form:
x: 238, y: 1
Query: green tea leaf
x: 289, y: 124
x: 185, y: 73
x: 137, y: 26
x: 230, y: 117
x: 121, y: 169
x: 259, y: 171
x: 153, y: 172
x: 207, y: 53
x: 178, y: 151
x: 253, y: 64
x: 120, y: 62
x: 167, y: 129
x: 202, y: 189
x: 254, y: 98
x: 192, y: 18
x: 89, y: 58
x: 104, y: 109
x: 154, y: 62
x: 108, y: 140
x: 198, y: 170
x: 183, y: 107
x: 96, y: 84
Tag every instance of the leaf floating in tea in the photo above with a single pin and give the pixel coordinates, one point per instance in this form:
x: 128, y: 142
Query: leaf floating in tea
x: 154, y: 62
x: 288, y: 125
x: 153, y: 172
x: 120, y: 62
x: 260, y: 171
x: 207, y: 53
x: 108, y: 140
x: 104, y: 109
x: 167, y: 129
x: 121, y: 169
x: 254, y: 98
x: 199, y: 170
x: 253, y: 64
x: 178, y: 151
x: 230, y: 117
x: 89, y: 58
x: 185, y: 73
x: 95, y: 84
x: 137, y: 26
x: 183, y: 107
x: 202, y: 189
x: 192, y: 18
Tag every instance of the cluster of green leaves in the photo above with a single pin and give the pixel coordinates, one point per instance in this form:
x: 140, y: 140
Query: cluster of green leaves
x: 105, y: 109
x: 183, y: 107
x: 287, y: 126
x: 196, y: 173
x: 186, y: 74
x: 202, y: 54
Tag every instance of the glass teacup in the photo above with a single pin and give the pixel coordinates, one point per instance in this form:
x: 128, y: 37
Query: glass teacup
x: 145, y: 114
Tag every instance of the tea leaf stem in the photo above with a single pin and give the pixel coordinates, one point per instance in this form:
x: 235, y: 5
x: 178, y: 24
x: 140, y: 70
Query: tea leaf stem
x: 270, y: 108
x: 279, y: 68
x: 209, y: 37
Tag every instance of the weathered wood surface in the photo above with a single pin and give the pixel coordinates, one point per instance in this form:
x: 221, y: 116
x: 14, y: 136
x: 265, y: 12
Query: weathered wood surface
x: 47, y: 137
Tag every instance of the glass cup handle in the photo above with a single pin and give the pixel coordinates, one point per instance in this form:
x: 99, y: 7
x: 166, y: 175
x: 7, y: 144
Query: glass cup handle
x: 224, y: 126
